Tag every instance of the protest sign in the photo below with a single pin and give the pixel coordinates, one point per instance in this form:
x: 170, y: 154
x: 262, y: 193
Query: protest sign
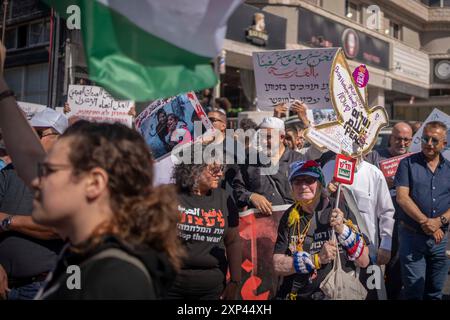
x: 30, y: 109
x: 167, y: 123
x: 97, y: 105
x: 288, y: 75
x: 356, y: 128
x: 258, y: 236
x: 163, y: 169
x: 435, y: 115
x: 389, y: 166
x: 344, y: 170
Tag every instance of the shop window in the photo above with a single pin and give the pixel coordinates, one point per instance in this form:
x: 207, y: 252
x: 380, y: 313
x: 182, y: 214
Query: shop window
x: 39, y: 33
x: 11, y: 38
x: 395, y: 30
x: 30, y: 83
x: 22, y: 36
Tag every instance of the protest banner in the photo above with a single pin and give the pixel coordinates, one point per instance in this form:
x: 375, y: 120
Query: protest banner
x: 30, y: 109
x: 167, y: 123
x: 356, y: 128
x: 97, y: 105
x: 344, y: 170
x: 435, y: 115
x: 288, y: 75
x: 389, y: 166
x: 258, y: 236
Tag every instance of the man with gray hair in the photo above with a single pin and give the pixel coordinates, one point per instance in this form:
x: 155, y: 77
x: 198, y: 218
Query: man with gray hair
x: 253, y: 186
x: 423, y: 194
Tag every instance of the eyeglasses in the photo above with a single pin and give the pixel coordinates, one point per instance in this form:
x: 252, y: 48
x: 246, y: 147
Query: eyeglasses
x: 308, y: 180
x: 215, y: 119
x: 426, y: 140
x: 216, y: 170
x: 46, y: 169
x: 406, y: 140
x: 41, y: 134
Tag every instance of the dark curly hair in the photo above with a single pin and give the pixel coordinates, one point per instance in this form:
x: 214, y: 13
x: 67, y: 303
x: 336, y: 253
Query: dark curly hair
x: 187, y: 173
x: 144, y: 215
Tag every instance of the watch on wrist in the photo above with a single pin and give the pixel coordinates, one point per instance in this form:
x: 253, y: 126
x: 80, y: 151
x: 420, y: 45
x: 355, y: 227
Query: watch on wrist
x: 444, y: 220
x: 6, y: 223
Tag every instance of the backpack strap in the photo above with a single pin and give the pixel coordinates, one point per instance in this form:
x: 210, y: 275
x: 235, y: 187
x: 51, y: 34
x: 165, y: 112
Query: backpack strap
x: 124, y: 256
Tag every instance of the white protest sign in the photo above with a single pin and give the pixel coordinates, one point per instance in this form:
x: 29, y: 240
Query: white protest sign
x: 163, y: 170
x: 30, y: 109
x: 97, y: 105
x: 435, y: 115
x: 356, y: 128
x: 288, y: 75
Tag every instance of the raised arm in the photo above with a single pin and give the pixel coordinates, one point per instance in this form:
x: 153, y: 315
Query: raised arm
x: 21, y: 141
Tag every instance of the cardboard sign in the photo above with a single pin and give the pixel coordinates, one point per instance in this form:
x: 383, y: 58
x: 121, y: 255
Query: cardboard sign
x: 356, y: 128
x: 258, y: 236
x: 435, y: 115
x: 30, y: 109
x: 344, y: 169
x: 389, y: 166
x: 97, y: 105
x: 166, y: 123
x: 288, y: 75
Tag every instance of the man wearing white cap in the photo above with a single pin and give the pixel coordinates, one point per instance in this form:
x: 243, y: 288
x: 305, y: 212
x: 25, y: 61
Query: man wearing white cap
x: 253, y: 188
x: 27, y: 251
x: 49, y: 124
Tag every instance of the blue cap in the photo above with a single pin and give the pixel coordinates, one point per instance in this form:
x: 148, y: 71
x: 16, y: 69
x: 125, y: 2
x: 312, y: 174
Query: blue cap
x: 306, y: 168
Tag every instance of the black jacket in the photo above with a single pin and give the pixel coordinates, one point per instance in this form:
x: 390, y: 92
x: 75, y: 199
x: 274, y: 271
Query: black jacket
x: 275, y: 188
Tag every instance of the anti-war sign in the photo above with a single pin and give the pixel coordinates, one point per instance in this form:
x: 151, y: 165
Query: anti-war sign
x: 435, y: 115
x: 356, y: 128
x: 258, y: 236
x: 288, y: 75
x: 169, y: 122
x: 97, y: 105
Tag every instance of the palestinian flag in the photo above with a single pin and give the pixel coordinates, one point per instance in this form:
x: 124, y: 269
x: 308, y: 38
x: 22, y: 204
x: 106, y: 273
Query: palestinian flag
x: 148, y: 49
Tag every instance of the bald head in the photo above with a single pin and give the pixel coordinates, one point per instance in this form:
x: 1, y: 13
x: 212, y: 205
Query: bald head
x: 401, y: 138
x: 402, y: 127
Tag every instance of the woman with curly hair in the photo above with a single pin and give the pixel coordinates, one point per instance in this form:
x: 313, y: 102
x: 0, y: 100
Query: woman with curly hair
x: 209, y: 232
x: 95, y: 188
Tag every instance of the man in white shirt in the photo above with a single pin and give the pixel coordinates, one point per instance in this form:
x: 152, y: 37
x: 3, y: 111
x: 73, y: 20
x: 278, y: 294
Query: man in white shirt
x: 375, y: 205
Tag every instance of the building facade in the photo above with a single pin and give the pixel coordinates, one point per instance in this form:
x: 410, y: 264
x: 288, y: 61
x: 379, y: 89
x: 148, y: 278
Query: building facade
x: 404, y: 43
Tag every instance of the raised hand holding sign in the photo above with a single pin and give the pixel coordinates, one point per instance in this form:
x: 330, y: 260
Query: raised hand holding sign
x: 357, y: 126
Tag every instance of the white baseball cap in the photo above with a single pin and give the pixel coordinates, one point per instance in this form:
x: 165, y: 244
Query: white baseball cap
x: 49, y: 118
x: 272, y: 123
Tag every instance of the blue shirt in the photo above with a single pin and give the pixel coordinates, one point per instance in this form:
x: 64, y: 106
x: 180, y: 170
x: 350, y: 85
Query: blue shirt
x: 429, y: 191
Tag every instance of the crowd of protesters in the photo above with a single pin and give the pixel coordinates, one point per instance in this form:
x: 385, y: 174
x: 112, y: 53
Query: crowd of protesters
x: 83, y: 195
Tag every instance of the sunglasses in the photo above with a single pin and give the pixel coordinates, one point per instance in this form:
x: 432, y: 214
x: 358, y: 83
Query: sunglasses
x: 426, y: 140
x: 45, y: 169
x: 304, y: 180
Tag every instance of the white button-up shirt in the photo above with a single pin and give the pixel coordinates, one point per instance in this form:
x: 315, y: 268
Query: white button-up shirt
x: 373, y: 200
